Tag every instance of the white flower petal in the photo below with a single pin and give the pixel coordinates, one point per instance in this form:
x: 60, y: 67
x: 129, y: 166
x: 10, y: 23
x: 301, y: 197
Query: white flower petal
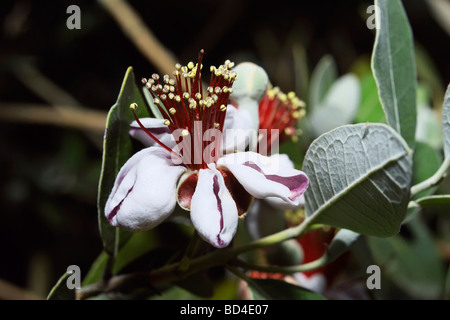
x: 156, y: 127
x: 265, y: 177
x: 144, y: 193
x: 213, y: 210
x: 238, y: 130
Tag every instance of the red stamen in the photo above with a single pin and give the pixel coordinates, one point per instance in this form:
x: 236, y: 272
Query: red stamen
x: 133, y: 107
x: 183, y: 103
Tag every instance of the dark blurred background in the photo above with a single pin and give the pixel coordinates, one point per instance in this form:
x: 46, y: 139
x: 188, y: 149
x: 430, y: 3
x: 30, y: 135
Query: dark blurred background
x: 50, y: 163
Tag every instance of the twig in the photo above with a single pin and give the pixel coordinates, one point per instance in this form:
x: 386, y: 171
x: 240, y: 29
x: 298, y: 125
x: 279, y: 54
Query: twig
x: 59, y: 115
x: 432, y: 181
x: 142, y: 37
x: 323, y: 260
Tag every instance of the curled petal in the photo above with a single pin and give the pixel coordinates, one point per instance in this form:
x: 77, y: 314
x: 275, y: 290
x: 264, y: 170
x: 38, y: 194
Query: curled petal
x: 144, y: 191
x: 213, y: 210
x: 267, y: 177
x: 156, y: 127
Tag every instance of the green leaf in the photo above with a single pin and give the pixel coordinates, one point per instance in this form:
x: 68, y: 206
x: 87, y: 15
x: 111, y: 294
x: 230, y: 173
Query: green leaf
x: 117, y: 148
x: 446, y: 122
x: 271, y: 289
x: 322, y: 78
x: 434, y: 200
x: 427, y: 161
x: 394, y: 68
x: 370, y: 108
x: 360, y: 176
x: 95, y: 273
x: 414, y: 265
x: 339, y: 106
x: 60, y: 291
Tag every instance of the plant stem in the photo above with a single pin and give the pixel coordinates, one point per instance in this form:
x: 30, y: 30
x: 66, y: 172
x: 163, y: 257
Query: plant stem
x: 173, y: 272
x: 432, y: 181
x: 323, y: 260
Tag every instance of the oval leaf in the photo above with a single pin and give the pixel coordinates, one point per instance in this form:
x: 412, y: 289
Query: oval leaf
x: 117, y: 148
x: 394, y: 68
x: 360, y: 176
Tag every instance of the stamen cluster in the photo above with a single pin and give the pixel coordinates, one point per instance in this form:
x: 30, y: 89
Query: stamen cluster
x: 279, y: 112
x: 187, y: 107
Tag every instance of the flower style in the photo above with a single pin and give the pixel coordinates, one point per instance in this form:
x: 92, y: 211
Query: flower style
x: 189, y: 160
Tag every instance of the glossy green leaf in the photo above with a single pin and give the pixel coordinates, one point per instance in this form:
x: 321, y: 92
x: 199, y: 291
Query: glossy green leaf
x: 322, y: 78
x: 394, y: 68
x: 446, y: 122
x: 360, y: 176
x: 117, y: 148
x: 60, y: 291
x: 271, y: 289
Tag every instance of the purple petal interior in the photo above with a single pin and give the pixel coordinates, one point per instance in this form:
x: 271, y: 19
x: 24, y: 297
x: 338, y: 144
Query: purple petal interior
x: 116, y: 209
x: 297, y: 184
x: 216, y: 189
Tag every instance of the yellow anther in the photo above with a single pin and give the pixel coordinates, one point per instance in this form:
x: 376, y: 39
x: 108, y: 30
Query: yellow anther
x: 177, y: 98
x: 171, y: 96
x: 166, y: 122
x: 155, y: 76
x: 198, y: 96
x: 144, y: 80
x: 184, y: 69
x: 156, y: 101
x: 223, y: 107
x: 190, y: 65
x: 172, y: 110
x: 216, y: 125
x: 291, y: 95
x: 185, y: 132
x: 282, y: 96
x: 178, y: 66
x: 133, y: 106
x: 186, y: 95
